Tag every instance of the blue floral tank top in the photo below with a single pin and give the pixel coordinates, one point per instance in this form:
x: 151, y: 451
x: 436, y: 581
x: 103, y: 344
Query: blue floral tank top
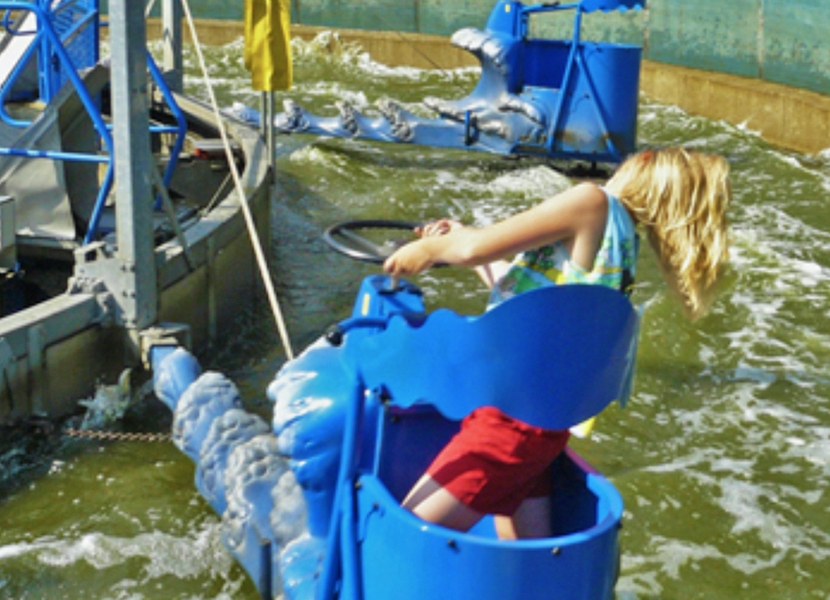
x: 613, y: 267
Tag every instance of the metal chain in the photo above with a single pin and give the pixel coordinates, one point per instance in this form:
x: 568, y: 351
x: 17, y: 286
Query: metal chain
x: 118, y: 436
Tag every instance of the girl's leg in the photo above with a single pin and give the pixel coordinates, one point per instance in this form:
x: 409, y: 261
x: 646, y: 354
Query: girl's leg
x: 433, y: 503
x: 531, y: 520
x: 492, y: 272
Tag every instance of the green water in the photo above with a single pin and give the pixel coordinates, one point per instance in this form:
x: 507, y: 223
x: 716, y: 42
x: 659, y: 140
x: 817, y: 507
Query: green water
x: 722, y: 456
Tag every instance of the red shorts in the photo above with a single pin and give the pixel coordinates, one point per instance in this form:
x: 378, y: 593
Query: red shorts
x: 494, y: 462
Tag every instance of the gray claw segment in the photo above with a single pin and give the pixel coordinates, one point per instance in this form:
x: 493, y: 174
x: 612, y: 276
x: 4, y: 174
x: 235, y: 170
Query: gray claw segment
x: 348, y: 118
x: 517, y: 105
x: 293, y: 119
x: 444, y: 109
x: 397, y: 121
x: 493, y: 128
x: 486, y: 46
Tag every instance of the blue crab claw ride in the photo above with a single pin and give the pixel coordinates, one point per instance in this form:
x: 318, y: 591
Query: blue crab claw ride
x: 561, y: 99
x: 310, y: 505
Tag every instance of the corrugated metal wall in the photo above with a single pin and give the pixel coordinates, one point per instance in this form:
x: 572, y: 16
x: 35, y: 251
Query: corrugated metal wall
x: 783, y: 41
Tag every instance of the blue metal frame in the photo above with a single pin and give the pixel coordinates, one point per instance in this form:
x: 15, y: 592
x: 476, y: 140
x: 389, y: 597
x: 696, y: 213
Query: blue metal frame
x: 47, y: 40
x: 78, y: 23
x: 180, y: 129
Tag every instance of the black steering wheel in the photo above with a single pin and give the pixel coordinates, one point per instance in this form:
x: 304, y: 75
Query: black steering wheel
x: 369, y: 240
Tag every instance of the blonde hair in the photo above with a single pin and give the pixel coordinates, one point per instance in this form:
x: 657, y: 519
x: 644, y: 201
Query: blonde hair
x: 680, y: 197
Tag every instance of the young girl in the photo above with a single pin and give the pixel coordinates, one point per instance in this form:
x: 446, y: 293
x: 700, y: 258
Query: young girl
x: 499, y: 465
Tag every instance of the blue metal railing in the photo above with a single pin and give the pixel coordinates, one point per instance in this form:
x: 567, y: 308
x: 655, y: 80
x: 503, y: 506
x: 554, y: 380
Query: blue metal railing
x: 63, y: 27
x: 76, y: 23
x: 180, y: 129
x: 46, y: 40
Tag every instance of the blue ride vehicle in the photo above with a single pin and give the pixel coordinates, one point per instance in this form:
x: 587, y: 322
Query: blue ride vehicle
x: 311, y: 504
x: 561, y: 99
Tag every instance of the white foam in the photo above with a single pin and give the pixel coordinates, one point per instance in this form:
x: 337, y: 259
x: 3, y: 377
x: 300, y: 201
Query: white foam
x: 535, y: 183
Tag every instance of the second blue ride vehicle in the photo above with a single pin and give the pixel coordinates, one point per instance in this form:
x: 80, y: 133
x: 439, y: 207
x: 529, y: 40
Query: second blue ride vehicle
x: 561, y: 99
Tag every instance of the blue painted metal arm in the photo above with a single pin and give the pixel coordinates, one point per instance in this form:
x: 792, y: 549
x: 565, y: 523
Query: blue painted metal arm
x: 98, y: 208
x: 181, y: 129
x: 181, y: 123
x: 52, y: 155
x: 586, y: 6
x: 548, y: 7
x: 609, y: 5
x: 7, y: 25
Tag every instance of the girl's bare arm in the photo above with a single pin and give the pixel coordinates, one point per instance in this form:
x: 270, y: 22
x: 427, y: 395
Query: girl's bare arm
x: 577, y: 215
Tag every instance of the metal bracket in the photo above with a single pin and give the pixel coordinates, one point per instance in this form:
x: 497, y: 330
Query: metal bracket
x: 85, y: 284
x: 163, y: 334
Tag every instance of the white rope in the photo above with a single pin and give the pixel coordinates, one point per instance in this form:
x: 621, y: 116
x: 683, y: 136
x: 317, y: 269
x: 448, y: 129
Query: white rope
x: 255, y: 242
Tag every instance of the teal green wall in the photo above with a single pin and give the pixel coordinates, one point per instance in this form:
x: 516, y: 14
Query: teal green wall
x: 712, y: 35
x: 796, y: 43
x: 783, y: 41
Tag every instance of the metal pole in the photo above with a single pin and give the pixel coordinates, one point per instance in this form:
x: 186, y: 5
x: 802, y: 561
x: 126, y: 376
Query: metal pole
x: 133, y: 165
x: 263, y: 114
x: 173, y: 67
x: 266, y: 126
x: 271, y: 140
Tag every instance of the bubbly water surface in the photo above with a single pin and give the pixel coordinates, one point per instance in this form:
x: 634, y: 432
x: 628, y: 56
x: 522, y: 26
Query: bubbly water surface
x: 722, y: 456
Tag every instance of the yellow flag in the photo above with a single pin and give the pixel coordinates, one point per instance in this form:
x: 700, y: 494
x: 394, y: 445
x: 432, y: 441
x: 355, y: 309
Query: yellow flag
x: 268, y: 44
